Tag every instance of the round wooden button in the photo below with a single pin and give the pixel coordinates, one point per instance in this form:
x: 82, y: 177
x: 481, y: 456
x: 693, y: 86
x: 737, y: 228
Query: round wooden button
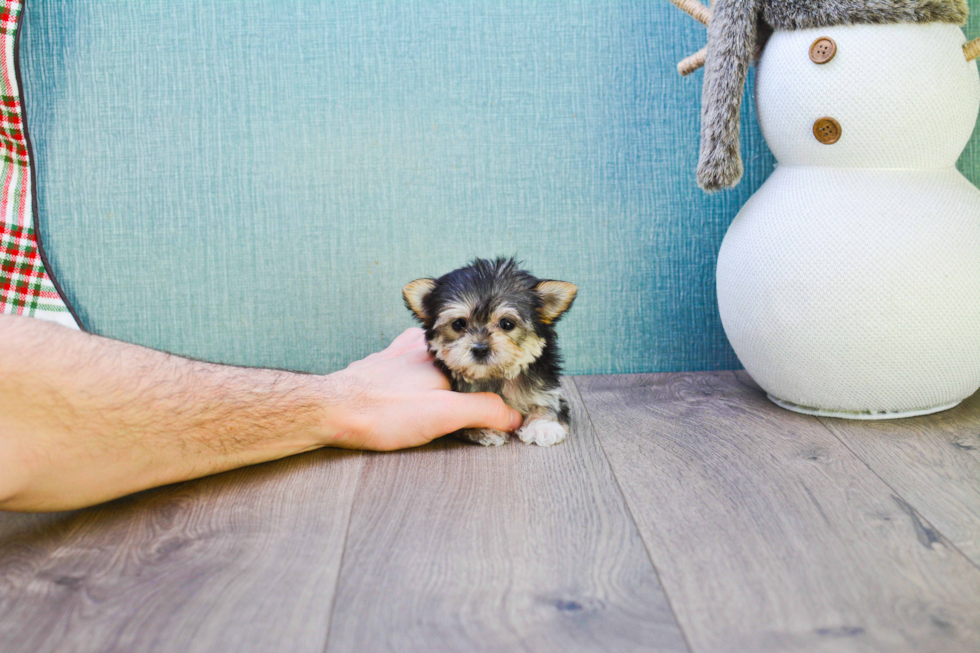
x: 826, y: 130
x: 823, y: 50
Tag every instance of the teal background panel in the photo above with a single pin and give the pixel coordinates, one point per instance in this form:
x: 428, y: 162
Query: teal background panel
x: 253, y: 184
x: 969, y: 163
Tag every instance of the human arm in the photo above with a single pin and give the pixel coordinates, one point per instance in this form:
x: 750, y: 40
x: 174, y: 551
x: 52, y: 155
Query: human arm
x: 84, y: 419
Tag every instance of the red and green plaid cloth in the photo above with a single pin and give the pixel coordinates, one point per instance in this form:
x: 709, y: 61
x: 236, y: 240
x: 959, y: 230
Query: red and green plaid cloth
x: 25, y: 286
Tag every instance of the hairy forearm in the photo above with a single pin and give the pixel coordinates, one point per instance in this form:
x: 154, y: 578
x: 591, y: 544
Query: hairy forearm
x: 85, y: 419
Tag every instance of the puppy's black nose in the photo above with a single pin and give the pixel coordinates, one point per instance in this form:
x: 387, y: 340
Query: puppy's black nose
x: 480, y: 351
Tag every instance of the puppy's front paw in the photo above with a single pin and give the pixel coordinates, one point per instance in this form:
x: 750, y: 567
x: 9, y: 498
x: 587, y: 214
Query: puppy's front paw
x: 542, y: 432
x: 486, y: 437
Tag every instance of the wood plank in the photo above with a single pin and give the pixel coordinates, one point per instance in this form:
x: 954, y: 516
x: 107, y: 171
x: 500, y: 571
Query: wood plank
x: 768, y: 533
x: 242, y: 561
x: 933, y: 461
x: 457, y: 547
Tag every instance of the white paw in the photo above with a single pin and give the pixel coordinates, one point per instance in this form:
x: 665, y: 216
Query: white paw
x: 542, y: 432
x: 486, y: 437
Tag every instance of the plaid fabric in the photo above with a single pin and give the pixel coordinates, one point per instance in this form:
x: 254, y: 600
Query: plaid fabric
x: 25, y: 287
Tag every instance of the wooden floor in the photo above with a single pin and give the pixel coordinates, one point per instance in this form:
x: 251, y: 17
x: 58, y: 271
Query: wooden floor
x: 685, y: 513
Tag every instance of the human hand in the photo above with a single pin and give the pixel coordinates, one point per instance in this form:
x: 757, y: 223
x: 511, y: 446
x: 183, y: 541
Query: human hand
x: 397, y: 398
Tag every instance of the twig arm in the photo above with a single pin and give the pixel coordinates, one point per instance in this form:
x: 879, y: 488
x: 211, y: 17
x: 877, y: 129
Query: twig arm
x: 695, y: 9
x: 702, y: 14
x: 693, y: 62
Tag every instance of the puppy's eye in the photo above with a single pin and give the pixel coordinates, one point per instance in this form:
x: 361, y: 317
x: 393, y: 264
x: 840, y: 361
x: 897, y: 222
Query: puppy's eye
x: 459, y: 324
x: 506, y: 324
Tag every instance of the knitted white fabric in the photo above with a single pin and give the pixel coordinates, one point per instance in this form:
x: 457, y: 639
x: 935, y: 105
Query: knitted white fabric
x: 849, y: 289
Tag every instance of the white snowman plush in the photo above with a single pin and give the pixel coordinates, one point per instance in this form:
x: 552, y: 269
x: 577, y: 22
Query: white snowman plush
x: 849, y: 283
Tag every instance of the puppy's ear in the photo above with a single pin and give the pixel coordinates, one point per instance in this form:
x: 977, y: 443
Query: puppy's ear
x: 556, y: 298
x: 414, y: 294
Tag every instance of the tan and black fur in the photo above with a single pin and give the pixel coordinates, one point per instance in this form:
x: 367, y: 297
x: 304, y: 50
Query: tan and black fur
x: 490, y: 327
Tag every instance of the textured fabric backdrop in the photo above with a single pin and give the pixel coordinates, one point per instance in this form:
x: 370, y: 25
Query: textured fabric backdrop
x: 254, y: 183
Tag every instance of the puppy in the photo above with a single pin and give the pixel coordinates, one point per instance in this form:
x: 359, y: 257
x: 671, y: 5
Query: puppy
x: 490, y: 327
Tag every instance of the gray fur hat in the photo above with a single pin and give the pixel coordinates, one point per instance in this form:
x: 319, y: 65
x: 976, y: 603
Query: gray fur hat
x: 738, y: 29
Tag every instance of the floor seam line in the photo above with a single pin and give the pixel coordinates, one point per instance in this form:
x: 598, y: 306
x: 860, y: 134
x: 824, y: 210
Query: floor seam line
x: 343, y: 553
x: 629, y: 511
x: 951, y: 543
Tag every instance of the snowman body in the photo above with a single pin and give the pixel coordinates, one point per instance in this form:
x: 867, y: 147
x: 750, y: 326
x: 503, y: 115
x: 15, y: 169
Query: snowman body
x: 849, y: 283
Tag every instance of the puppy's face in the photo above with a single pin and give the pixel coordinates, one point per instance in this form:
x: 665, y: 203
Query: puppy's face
x: 488, y: 320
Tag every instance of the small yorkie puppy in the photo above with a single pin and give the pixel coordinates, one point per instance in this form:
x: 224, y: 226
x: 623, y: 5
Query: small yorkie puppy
x: 490, y: 326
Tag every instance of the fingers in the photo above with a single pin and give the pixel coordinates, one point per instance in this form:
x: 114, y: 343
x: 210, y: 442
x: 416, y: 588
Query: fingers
x: 425, y: 375
x: 409, y: 340
x: 480, y: 410
x: 407, y: 337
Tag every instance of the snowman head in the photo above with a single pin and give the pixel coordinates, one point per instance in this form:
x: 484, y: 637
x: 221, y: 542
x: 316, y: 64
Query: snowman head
x: 738, y: 28
x: 889, y: 96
